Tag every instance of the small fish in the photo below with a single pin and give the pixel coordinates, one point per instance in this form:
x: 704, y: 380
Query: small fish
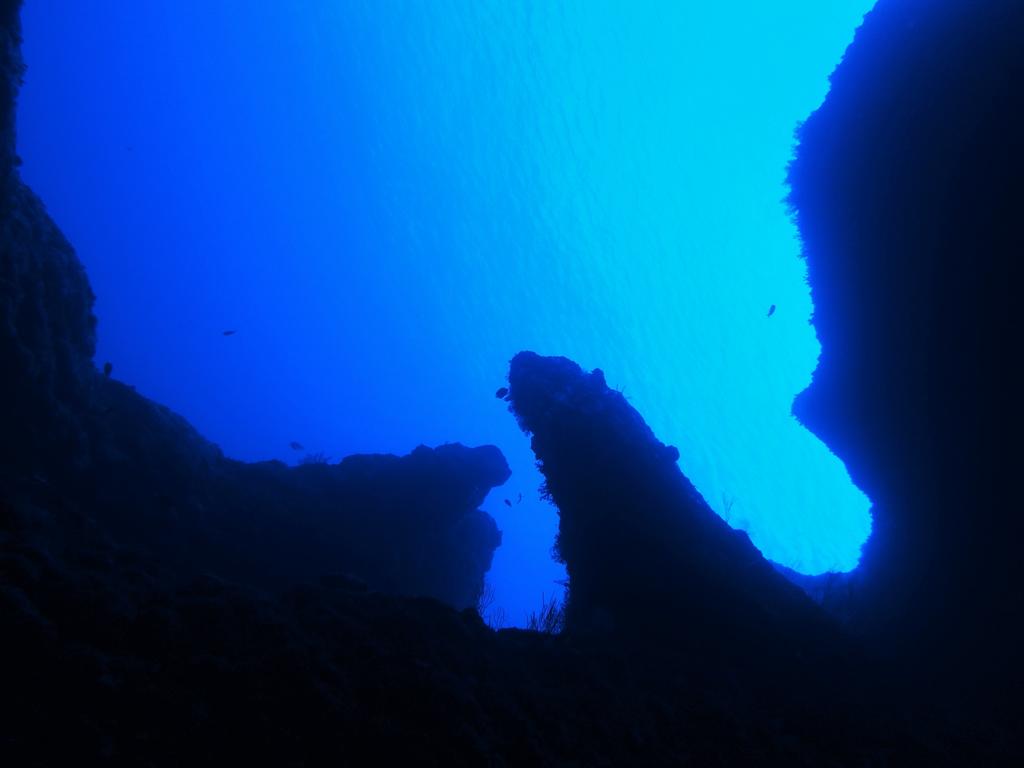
x: 508, y: 502
x: 520, y: 499
x: 108, y: 368
x: 771, y: 310
x: 501, y: 393
x: 295, y: 446
x: 229, y: 333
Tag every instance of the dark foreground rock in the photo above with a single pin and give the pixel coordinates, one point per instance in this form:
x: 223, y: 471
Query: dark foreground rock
x: 112, y: 656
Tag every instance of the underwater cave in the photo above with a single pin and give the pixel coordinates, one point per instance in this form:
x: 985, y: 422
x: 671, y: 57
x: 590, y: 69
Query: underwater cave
x: 389, y: 205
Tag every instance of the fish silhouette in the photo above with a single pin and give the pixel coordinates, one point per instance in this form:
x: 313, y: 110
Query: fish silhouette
x: 295, y: 446
x: 501, y: 393
x: 771, y: 310
x: 229, y: 333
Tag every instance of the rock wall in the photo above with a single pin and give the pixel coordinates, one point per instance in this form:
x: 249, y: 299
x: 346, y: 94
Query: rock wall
x: 908, y: 186
x: 410, y: 525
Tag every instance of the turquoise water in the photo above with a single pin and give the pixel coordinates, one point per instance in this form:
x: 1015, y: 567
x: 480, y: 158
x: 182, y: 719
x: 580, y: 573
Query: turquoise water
x: 388, y: 200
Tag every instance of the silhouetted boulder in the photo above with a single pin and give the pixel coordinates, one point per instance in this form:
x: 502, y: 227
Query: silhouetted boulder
x: 407, y: 525
x: 645, y: 554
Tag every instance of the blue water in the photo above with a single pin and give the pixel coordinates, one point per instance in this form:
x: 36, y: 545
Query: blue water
x: 387, y: 200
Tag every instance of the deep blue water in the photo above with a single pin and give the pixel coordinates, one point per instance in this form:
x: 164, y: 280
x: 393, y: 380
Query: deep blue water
x: 387, y: 200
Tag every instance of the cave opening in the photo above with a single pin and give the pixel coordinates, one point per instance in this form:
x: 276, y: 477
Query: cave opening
x: 389, y: 205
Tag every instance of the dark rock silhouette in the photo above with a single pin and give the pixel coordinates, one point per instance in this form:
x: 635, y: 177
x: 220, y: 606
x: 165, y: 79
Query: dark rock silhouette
x: 47, y: 331
x: 644, y: 552
x: 908, y: 186
x: 409, y: 525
